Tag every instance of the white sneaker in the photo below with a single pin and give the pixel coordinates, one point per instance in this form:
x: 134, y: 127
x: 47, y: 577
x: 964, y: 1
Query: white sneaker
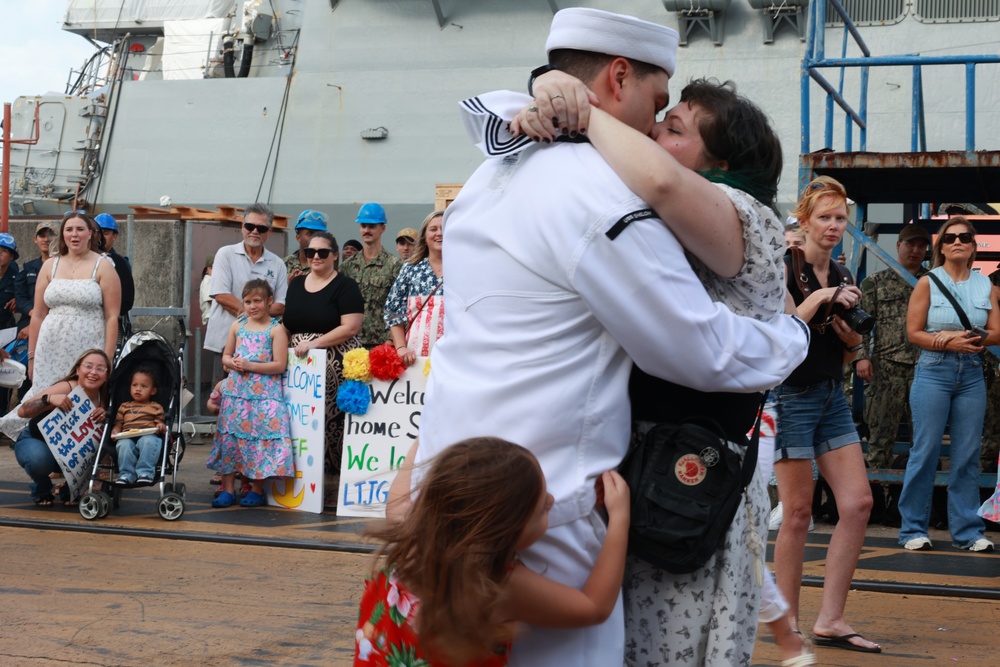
x: 982, y: 544
x: 922, y: 544
x: 774, y: 522
x: 777, y: 514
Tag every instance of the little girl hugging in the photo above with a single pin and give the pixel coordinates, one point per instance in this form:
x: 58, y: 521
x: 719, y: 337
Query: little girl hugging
x: 451, y: 590
x: 253, y: 432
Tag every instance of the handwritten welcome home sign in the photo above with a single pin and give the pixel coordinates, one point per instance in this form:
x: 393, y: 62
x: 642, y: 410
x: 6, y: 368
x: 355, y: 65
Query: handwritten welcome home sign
x: 375, y: 443
x: 304, y: 388
x: 73, y: 438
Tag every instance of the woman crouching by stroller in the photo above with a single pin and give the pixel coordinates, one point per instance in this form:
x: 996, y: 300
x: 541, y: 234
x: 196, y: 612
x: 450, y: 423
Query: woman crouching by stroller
x: 90, y: 372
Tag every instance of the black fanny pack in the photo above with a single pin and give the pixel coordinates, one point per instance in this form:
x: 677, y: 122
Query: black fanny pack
x: 686, y: 485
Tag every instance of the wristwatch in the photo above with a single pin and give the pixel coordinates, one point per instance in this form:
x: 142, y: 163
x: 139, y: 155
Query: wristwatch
x: 537, y: 72
x: 45, y: 399
x: 856, y: 348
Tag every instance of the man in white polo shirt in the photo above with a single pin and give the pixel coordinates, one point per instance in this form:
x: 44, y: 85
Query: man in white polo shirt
x: 234, y: 266
x: 558, y: 276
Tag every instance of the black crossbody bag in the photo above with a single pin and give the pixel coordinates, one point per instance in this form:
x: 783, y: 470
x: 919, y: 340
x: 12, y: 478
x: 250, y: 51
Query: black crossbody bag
x: 989, y: 365
x: 686, y: 486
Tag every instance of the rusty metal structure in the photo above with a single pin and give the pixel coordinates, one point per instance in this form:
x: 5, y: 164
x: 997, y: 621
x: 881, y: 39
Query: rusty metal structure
x: 918, y: 179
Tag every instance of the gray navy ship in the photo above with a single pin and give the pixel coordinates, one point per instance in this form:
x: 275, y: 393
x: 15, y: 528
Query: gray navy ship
x: 325, y: 104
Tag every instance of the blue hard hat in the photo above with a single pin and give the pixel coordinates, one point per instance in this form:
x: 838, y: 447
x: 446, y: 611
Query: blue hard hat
x: 7, y: 241
x: 371, y: 214
x: 107, y: 221
x: 313, y: 220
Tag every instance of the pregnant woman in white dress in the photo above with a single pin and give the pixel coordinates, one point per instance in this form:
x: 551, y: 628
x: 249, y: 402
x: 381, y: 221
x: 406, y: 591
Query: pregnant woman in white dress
x: 77, y: 299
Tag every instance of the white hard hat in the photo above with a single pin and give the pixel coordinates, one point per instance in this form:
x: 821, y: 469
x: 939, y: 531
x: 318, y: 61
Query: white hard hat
x: 12, y: 374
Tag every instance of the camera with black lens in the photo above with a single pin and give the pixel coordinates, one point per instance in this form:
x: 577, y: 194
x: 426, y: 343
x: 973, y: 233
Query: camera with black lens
x: 857, y: 319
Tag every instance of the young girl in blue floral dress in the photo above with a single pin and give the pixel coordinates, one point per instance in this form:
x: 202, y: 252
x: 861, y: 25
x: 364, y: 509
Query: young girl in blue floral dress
x: 253, y: 432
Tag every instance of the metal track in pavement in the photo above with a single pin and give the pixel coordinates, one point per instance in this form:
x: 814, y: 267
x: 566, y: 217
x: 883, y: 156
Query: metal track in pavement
x: 895, y: 588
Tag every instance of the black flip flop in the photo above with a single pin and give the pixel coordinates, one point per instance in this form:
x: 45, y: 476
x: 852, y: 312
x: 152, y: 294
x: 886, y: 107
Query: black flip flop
x: 844, y: 642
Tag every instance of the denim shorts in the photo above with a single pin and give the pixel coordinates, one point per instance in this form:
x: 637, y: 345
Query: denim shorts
x: 812, y: 420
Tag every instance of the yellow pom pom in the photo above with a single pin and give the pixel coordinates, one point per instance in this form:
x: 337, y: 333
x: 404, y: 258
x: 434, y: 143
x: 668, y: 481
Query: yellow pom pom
x: 357, y: 366
x: 427, y: 367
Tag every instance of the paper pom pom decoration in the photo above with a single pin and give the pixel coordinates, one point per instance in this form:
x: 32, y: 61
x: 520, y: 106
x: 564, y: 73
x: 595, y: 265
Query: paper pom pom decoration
x: 385, y: 362
x: 354, y: 397
x: 357, y: 365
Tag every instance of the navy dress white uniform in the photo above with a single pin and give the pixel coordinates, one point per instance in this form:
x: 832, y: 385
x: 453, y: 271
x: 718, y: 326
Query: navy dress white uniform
x: 558, y: 277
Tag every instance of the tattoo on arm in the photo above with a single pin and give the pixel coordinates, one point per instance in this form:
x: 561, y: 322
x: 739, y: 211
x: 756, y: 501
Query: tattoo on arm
x: 35, y: 405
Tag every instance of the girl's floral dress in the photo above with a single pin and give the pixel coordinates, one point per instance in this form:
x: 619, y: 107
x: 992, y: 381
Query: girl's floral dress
x: 253, y: 432
x: 385, y: 636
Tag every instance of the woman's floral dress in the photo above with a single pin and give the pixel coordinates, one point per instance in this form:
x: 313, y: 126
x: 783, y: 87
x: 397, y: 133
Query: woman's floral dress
x: 416, y: 302
x: 253, y: 432
x: 385, y: 636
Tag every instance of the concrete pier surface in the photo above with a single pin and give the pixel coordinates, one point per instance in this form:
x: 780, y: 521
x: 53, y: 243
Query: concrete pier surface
x: 273, y: 587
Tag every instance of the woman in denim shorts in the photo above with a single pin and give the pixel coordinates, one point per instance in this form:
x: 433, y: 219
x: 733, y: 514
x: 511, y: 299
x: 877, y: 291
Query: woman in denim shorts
x: 815, y: 423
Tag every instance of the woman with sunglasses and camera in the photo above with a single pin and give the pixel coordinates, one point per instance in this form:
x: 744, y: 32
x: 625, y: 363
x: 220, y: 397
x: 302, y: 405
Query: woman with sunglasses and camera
x: 325, y: 309
x: 414, y: 309
x: 948, y: 388
x: 815, y: 422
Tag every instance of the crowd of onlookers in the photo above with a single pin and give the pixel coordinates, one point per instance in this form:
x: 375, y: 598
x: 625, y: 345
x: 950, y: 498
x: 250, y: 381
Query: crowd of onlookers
x: 317, y: 299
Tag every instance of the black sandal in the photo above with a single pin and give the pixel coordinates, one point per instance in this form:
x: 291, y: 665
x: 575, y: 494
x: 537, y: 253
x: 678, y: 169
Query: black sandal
x: 45, y: 500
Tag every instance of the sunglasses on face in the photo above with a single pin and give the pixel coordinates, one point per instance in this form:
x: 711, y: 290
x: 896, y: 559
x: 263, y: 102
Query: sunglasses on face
x: 260, y: 229
x: 323, y: 253
x: 965, y: 237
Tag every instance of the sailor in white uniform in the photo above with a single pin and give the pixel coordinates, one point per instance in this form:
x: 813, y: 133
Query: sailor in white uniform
x: 558, y: 277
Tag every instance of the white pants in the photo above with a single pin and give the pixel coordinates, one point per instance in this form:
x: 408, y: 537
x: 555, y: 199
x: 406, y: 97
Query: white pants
x: 566, y: 554
x: 772, y: 603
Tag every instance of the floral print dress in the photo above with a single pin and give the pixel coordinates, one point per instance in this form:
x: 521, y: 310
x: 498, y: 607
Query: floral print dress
x: 253, y: 433
x: 385, y: 636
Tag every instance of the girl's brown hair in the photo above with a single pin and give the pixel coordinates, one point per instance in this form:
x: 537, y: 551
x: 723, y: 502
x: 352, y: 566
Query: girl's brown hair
x: 257, y: 285
x: 821, y: 186
x: 421, y: 250
x: 74, y: 373
x: 455, y: 547
x: 95, y: 231
x: 938, y: 256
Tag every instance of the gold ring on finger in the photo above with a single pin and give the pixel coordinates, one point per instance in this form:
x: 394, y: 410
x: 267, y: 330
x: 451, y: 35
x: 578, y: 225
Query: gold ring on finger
x: 557, y: 97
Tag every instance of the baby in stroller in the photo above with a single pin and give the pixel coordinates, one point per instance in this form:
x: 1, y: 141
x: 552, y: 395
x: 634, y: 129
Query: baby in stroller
x: 138, y: 426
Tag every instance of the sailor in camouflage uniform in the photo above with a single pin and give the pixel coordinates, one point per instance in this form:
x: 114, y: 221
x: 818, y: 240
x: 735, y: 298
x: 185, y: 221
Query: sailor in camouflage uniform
x: 374, y: 270
x: 887, y: 360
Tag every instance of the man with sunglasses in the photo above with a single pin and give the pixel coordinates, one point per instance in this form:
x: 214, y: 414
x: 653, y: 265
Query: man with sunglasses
x: 234, y: 266
x: 887, y: 359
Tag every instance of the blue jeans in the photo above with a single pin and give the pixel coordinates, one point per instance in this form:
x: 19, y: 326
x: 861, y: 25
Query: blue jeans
x: 948, y: 388
x: 34, y: 456
x: 812, y: 420
x: 138, y: 459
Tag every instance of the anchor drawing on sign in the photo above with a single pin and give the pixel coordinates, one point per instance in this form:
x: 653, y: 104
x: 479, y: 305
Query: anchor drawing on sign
x: 288, y: 498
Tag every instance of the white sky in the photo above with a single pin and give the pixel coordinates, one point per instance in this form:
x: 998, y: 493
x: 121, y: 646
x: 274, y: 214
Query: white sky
x: 35, y: 54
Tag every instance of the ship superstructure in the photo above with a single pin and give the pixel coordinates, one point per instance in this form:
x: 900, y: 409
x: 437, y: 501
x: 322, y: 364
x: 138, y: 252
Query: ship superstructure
x: 325, y: 104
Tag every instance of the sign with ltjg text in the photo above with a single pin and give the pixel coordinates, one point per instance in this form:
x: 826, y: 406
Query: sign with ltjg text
x: 376, y: 443
x: 73, y: 438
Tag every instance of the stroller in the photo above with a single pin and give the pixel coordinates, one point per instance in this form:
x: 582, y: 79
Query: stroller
x: 149, y: 349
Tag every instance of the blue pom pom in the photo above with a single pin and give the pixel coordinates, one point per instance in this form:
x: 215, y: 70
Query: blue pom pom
x: 354, y: 397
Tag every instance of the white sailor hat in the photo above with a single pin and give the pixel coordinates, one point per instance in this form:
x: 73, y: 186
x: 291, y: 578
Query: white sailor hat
x: 598, y: 31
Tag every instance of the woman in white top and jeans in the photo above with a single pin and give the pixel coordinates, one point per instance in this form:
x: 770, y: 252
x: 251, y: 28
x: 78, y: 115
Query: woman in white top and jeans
x: 948, y: 388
